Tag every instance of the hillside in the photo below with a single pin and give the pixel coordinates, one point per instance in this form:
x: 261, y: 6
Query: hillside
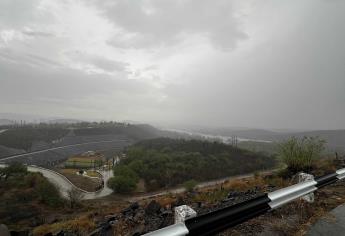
x: 36, y: 137
x: 165, y: 162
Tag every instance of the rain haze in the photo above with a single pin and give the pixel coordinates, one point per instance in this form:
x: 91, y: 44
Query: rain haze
x: 172, y: 117
x: 267, y: 64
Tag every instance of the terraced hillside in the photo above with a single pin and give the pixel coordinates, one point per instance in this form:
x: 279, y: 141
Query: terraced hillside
x: 62, y: 141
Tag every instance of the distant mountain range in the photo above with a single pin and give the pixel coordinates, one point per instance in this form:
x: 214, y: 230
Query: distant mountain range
x: 335, y: 138
x: 6, y: 122
x: 12, y: 118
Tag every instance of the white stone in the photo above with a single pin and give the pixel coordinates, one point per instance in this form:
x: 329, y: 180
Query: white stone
x: 183, y: 213
x: 302, y: 177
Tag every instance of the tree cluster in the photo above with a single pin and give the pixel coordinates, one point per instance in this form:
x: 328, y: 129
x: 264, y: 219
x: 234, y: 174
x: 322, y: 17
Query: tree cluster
x: 165, y: 162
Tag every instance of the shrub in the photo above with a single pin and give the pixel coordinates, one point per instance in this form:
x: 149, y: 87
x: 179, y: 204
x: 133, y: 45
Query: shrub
x: 125, y: 171
x: 48, y: 193
x: 190, y: 185
x: 14, y: 169
x: 74, y: 196
x: 122, y: 184
x: 300, y: 154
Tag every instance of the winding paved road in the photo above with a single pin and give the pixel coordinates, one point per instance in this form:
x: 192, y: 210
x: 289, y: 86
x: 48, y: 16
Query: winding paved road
x: 64, y: 185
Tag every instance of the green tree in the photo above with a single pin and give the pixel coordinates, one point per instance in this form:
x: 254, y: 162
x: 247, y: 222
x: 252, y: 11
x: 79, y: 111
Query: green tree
x: 300, y: 154
x: 14, y: 169
x: 122, y: 184
x: 122, y: 170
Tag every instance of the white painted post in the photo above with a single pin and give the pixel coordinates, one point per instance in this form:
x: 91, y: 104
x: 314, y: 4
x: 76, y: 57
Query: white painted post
x: 302, y: 177
x: 183, y: 213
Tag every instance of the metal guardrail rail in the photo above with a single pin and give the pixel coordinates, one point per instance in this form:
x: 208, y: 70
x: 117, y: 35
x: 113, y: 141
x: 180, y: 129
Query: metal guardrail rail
x: 217, y: 221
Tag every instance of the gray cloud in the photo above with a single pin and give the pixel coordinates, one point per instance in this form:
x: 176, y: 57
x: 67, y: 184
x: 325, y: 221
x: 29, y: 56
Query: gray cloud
x: 15, y: 13
x: 165, y: 22
x: 27, y: 58
x: 98, y: 61
x: 223, y: 63
x: 37, y: 33
x: 295, y: 79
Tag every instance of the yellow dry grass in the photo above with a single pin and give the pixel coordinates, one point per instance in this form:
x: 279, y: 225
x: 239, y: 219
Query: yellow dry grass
x: 81, y: 226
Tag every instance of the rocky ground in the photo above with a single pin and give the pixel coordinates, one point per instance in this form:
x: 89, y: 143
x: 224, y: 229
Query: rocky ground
x: 113, y: 216
x: 292, y: 219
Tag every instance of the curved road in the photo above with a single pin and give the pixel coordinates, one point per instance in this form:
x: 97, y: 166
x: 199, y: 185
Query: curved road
x: 64, y: 185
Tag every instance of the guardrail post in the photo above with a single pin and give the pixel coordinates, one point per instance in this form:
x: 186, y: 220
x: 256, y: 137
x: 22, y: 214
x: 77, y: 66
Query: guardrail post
x: 183, y: 213
x: 302, y: 177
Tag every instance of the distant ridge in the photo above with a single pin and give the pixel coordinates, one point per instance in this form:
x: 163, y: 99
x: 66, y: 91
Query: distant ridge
x: 6, y: 122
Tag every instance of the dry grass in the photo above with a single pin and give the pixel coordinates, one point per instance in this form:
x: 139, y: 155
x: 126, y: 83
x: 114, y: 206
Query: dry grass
x: 80, y: 226
x: 93, y: 173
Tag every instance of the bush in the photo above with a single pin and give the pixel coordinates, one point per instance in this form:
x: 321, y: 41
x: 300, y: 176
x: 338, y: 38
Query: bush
x: 125, y: 171
x: 74, y: 196
x: 300, y: 154
x: 190, y: 185
x: 48, y: 193
x: 14, y: 169
x: 122, y: 184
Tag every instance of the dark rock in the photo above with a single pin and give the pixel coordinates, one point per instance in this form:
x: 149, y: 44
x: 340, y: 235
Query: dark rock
x: 179, y: 202
x: 152, y: 208
x: 4, y: 230
x: 51, y: 219
x: 19, y: 233
x: 134, y: 206
x: 131, y: 209
x: 139, y: 230
x: 111, y: 218
x: 104, y: 225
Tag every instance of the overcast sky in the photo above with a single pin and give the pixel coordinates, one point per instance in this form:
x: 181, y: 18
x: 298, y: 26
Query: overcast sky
x: 264, y: 64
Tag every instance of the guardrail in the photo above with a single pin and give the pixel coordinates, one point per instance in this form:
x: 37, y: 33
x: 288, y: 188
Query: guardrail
x: 217, y: 221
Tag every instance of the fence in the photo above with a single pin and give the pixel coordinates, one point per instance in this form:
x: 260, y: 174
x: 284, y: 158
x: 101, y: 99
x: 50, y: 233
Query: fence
x: 217, y: 221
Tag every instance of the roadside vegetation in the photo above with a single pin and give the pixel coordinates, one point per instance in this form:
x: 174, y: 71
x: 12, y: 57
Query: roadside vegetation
x: 269, y: 148
x: 301, y: 154
x: 190, y: 185
x: 23, y: 194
